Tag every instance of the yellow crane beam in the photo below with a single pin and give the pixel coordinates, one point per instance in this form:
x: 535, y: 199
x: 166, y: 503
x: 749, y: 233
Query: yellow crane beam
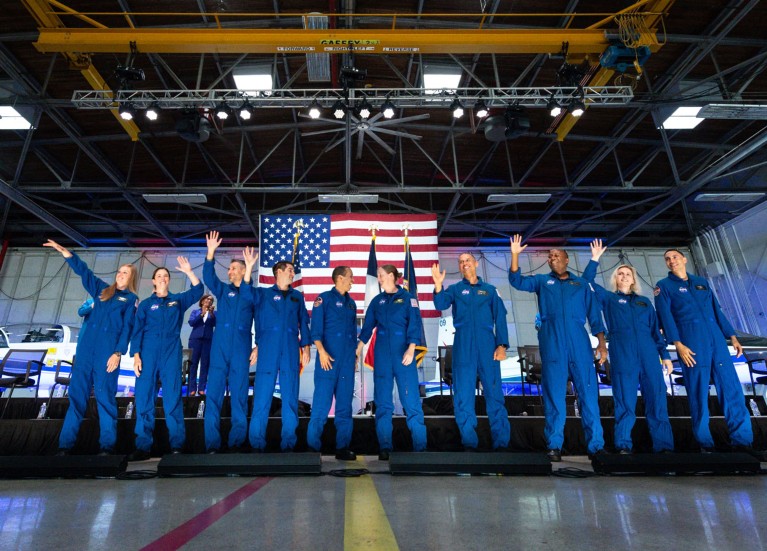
x: 41, y: 11
x: 602, y: 76
x: 369, y: 41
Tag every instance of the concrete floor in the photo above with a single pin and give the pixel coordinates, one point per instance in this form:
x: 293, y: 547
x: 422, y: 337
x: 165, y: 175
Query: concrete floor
x: 379, y: 511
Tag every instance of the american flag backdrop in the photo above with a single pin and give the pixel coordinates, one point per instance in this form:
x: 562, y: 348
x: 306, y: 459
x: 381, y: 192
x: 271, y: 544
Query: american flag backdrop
x: 329, y: 240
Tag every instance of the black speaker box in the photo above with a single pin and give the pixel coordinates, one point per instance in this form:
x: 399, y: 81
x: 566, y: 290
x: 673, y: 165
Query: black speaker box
x: 67, y: 466
x: 469, y: 463
x: 253, y: 464
x: 678, y: 463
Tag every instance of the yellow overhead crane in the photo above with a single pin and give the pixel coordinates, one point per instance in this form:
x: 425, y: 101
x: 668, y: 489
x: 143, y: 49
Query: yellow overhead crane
x: 78, y: 43
x: 41, y: 10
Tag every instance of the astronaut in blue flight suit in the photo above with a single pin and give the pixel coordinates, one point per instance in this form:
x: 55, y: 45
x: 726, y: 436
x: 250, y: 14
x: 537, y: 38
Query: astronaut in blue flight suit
x: 156, y: 350
x: 395, y: 314
x: 692, y: 320
x: 635, y: 348
x: 334, y: 333
x: 282, y: 326
x: 481, y: 340
x: 230, y: 350
x: 566, y: 302
x: 99, y: 351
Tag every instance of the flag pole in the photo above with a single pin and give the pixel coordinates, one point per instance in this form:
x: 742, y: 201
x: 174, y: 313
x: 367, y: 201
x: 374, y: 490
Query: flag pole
x: 299, y: 226
x: 373, y: 228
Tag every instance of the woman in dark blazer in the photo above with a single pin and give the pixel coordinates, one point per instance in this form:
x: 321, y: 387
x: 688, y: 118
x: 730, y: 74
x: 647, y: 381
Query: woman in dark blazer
x: 203, y: 321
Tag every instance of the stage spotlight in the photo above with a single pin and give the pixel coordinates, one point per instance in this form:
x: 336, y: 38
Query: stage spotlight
x: 246, y: 111
x: 387, y: 109
x: 577, y: 107
x: 339, y: 109
x: 554, y: 108
x: 364, y: 109
x: 223, y: 111
x: 152, y: 112
x: 481, y: 110
x: 127, y: 112
x: 314, y: 110
x: 456, y: 108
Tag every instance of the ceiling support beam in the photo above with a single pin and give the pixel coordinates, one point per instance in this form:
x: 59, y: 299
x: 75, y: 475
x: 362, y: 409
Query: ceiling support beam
x: 13, y: 194
x: 70, y: 128
x: 725, y: 162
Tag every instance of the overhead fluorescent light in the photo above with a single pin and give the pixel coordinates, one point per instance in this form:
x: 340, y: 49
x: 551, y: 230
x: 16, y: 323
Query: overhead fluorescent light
x: 349, y: 198
x: 252, y: 78
x: 518, y: 197
x: 742, y: 111
x: 10, y: 119
x: 736, y: 197
x: 683, y: 118
x: 183, y: 198
x: 441, y: 77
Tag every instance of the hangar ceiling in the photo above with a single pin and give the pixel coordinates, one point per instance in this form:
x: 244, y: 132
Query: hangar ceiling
x: 84, y: 176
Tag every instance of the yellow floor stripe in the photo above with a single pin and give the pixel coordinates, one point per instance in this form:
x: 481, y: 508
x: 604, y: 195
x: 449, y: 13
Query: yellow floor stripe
x: 365, y: 524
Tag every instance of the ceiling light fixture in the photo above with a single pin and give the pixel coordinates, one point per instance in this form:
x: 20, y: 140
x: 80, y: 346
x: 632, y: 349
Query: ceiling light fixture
x: 182, y: 198
x: 481, y: 110
x: 253, y: 78
x: 518, y: 197
x: 364, y: 109
x: 553, y: 106
x: 456, y: 108
x: 223, y: 111
x: 152, y: 112
x: 348, y: 198
x: 577, y: 107
x: 315, y: 110
x: 127, y: 111
x: 387, y: 109
x: 246, y: 111
x: 734, y: 197
x: 339, y: 109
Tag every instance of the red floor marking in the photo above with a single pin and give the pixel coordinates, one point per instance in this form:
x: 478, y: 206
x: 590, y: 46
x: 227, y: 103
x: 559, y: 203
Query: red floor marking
x: 196, y: 525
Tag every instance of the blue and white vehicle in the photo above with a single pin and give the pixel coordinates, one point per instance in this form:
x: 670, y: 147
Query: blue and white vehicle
x: 60, y: 341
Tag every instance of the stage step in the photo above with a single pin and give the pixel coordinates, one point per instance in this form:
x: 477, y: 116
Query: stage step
x: 252, y: 464
x: 677, y: 463
x: 469, y: 463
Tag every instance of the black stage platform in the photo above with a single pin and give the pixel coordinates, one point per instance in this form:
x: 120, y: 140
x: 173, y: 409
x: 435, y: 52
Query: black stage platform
x: 22, y: 434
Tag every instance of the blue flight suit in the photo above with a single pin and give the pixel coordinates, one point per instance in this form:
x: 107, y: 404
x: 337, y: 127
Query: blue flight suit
x: 229, y: 358
x: 334, y: 319
x: 479, y: 318
x: 398, y: 320
x: 635, y: 348
x: 157, y: 339
x: 200, y: 340
x: 565, y: 304
x: 85, y: 312
x: 109, y: 329
x: 689, y: 312
x: 282, y: 326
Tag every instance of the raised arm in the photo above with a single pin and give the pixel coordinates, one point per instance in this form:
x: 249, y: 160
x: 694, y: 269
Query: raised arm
x: 250, y: 256
x: 516, y: 249
x: 190, y: 296
x: 53, y: 245
x: 516, y: 279
x: 213, y: 241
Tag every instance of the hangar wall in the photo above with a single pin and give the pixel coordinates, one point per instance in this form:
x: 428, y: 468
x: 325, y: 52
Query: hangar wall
x: 734, y: 257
